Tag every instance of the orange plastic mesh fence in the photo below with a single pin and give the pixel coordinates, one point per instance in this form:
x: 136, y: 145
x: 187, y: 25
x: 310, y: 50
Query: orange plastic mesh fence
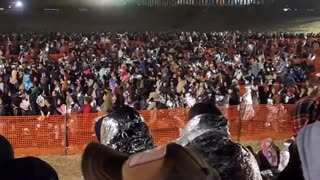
x: 80, y: 132
x: 35, y: 136
x: 31, y: 135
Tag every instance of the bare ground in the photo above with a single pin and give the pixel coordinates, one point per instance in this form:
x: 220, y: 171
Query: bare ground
x: 68, y: 167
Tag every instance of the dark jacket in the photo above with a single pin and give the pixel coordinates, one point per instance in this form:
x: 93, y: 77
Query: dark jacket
x: 293, y: 170
x: 264, y: 162
x: 4, y: 110
x: 209, y: 135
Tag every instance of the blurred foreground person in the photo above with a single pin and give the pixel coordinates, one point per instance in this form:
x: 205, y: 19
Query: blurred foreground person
x: 207, y: 133
x: 5, y: 149
x: 171, y: 162
x: 28, y: 168
x: 308, y: 142
x: 125, y: 131
x: 304, y: 163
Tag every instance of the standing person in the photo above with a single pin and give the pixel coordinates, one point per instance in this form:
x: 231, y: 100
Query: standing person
x: 87, y: 108
x: 220, y: 2
x: 61, y: 106
x: 107, y: 102
x: 48, y: 108
x: 202, y: 95
x: 232, y: 2
x: 207, y: 132
x: 4, y: 111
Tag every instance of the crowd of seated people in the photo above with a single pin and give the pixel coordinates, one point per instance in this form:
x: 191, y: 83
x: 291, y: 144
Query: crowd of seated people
x: 204, y: 150
x: 151, y: 70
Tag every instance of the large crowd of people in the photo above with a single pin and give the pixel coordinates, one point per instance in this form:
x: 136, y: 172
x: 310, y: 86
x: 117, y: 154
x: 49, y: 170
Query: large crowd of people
x: 206, y: 2
x: 204, y: 150
x: 120, y: 73
x: 97, y: 71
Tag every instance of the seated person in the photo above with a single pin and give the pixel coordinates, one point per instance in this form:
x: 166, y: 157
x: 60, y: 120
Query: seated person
x: 124, y: 130
x: 207, y: 132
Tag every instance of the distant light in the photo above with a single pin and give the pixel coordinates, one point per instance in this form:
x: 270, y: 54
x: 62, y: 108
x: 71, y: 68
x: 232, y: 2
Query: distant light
x: 19, y: 4
x: 286, y: 9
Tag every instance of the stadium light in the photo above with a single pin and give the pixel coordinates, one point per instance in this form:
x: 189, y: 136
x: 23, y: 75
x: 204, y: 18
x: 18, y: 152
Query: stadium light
x: 19, y: 4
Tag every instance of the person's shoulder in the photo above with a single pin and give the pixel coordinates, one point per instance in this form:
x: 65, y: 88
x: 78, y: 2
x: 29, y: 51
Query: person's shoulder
x: 233, y: 148
x: 28, y: 167
x: 242, y: 148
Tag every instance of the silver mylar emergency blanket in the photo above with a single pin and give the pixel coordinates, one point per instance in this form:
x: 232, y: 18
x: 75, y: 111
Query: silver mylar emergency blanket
x: 125, y: 130
x: 208, y: 135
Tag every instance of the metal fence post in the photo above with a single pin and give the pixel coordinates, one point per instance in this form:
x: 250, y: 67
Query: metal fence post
x: 240, y: 122
x: 65, y: 138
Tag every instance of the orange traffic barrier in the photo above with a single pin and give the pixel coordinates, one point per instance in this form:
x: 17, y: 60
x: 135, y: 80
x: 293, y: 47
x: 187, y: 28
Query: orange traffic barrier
x: 57, y: 135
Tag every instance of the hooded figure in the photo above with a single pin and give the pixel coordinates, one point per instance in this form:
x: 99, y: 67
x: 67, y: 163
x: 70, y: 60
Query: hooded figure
x: 27, y: 81
x: 207, y: 132
x: 125, y: 131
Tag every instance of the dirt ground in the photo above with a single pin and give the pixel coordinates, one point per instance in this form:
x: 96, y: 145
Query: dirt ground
x: 68, y: 167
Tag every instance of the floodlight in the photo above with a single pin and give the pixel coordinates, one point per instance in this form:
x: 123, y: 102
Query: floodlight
x: 19, y: 4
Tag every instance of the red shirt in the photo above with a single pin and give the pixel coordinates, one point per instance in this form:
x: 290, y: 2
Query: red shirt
x: 87, y: 109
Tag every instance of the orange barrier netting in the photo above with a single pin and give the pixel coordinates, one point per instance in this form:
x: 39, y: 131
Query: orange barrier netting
x: 31, y: 136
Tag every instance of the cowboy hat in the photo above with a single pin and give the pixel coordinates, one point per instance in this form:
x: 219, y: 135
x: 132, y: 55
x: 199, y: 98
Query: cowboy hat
x: 169, y: 162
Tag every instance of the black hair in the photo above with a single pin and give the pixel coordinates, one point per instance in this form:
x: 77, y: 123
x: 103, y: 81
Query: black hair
x: 6, y: 149
x: 204, y: 108
x: 69, y: 90
x: 61, y: 99
x: 29, y: 91
x: 119, y: 102
x: 49, y: 99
